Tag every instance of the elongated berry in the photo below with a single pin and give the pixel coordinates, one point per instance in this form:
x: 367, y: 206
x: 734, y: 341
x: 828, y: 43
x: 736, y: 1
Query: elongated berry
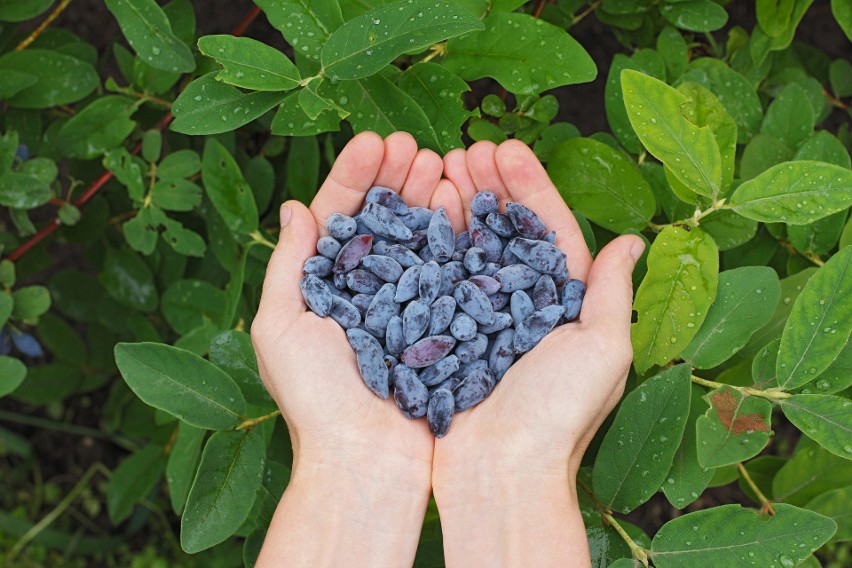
x: 351, y: 253
x: 483, y: 203
x: 520, y: 306
x: 363, y: 282
x: 572, y: 298
x: 535, y: 327
x: 544, y: 292
x: 394, y: 336
x: 474, y: 260
x: 428, y: 351
x: 487, y: 284
x: 409, y: 285
x: 384, y: 267
x: 405, y: 257
x: 411, y: 396
x: 474, y: 302
x: 516, y: 277
x: 463, y: 327
x: 500, y: 224
x: 329, y: 247
x: 474, y: 389
x: 499, y: 300
x: 451, y: 274
x: 469, y: 351
x: 362, y: 302
x: 318, y: 266
x: 442, y: 239
x: 344, y: 313
x: 316, y: 295
x: 527, y: 223
x: 439, y: 413
x: 416, y: 218
x: 381, y: 309
x: 387, y: 198
x: 382, y: 221
x: 440, y: 371
x: 502, y: 320
x: 484, y: 238
x: 415, y: 321
x: 370, y: 358
x: 430, y: 282
x: 341, y: 227
x: 502, y: 353
x: 442, y: 314
x: 539, y: 255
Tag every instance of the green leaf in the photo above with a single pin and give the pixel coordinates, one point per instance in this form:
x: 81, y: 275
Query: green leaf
x: 690, y: 153
x: 602, y: 184
x: 128, y: 171
x: 683, y: 267
x: 149, y: 33
x: 835, y: 505
x: 843, y: 14
x: 789, y: 118
x: 837, y: 377
x: 182, y: 384
x: 825, y: 419
x: 176, y: 195
x: 250, y: 64
x: 303, y: 162
x: 183, y: 240
x: 638, y: 448
x: 12, y: 374
x: 186, y: 304
x: 208, y: 106
x: 791, y: 287
x: 674, y: 51
x: 30, y: 302
x: 291, y: 120
x: 364, y: 45
x: 616, y: 112
x: 20, y: 191
x: 101, y: 126
x: 729, y: 229
x: 305, y: 24
x: 183, y: 461
x: 819, y: 324
x: 840, y: 77
x: 481, y: 129
x: 377, y: 104
x: 745, y: 302
x: 736, y: 92
x: 524, y: 54
x: 728, y: 534
x: 687, y: 480
x: 178, y: 165
x: 735, y: 428
x: 62, y: 79
x: 439, y: 93
x: 6, y: 306
x: 129, y: 280
x: 232, y: 351
x: 314, y: 104
x: 795, y: 192
x: 227, y: 189
x: 810, y: 472
x: 275, y: 480
x: 62, y: 340
x: 224, y: 489
x: 142, y: 231
x: 774, y: 15
x: 18, y: 11
x: 552, y: 136
x: 695, y: 15
x: 152, y: 145
x: 133, y: 480
x: 14, y: 82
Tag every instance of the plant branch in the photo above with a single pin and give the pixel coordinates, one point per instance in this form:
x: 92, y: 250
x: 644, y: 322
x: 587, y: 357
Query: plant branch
x: 581, y: 16
x: 769, y: 394
x: 637, y: 551
x: 835, y: 102
x: 251, y: 423
x: 66, y: 427
x: 765, y: 503
x: 36, y: 529
x: 44, y: 25
x: 808, y: 255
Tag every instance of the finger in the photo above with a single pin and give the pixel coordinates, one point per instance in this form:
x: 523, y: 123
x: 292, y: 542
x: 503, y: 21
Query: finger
x: 352, y: 175
x: 423, y: 178
x: 455, y: 170
x: 281, y: 296
x: 400, y: 149
x: 447, y: 196
x: 483, y: 169
x: 609, y: 295
x: 529, y: 185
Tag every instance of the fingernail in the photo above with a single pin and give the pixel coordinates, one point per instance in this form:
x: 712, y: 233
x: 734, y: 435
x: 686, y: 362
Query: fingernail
x: 286, y: 213
x: 637, y: 249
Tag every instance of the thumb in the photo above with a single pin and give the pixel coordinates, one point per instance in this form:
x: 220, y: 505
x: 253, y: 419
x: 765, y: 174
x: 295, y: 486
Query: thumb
x: 281, y: 294
x: 609, y: 298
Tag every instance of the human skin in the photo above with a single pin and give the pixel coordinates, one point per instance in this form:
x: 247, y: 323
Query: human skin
x: 504, y: 476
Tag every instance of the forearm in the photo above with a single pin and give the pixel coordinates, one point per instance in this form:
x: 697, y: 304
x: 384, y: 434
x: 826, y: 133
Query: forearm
x: 341, y: 515
x: 509, y: 520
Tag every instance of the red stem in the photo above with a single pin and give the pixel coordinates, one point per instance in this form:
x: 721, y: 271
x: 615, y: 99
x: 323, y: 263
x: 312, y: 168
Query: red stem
x: 96, y: 185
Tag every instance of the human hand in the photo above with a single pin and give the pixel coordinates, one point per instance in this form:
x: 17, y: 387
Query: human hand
x: 356, y: 458
x: 524, y: 443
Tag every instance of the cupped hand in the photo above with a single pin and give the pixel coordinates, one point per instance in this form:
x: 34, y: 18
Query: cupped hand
x: 541, y: 417
x: 306, y: 362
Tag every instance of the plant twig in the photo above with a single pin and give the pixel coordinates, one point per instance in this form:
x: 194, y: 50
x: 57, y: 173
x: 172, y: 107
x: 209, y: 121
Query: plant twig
x: 637, y: 551
x: 769, y: 394
x: 539, y: 7
x: 808, y: 255
x: 251, y: 423
x: 37, y: 528
x: 66, y: 427
x: 241, y: 28
x: 765, y: 504
x: 44, y: 25
x: 582, y: 15
x: 835, y: 102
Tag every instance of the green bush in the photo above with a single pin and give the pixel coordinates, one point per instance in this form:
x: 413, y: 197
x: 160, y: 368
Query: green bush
x: 728, y: 151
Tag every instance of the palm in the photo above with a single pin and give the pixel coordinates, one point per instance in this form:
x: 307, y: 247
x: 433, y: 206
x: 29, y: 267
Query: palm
x: 554, y: 398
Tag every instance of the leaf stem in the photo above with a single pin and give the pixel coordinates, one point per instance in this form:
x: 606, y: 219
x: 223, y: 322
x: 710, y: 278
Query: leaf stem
x: 808, y: 255
x: 439, y: 49
x: 769, y: 394
x: 835, y: 102
x: 717, y: 206
x: 580, y: 17
x: 66, y: 427
x: 252, y: 422
x: 63, y: 505
x: 765, y: 503
x: 637, y: 551
x: 258, y: 237
x: 44, y: 25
